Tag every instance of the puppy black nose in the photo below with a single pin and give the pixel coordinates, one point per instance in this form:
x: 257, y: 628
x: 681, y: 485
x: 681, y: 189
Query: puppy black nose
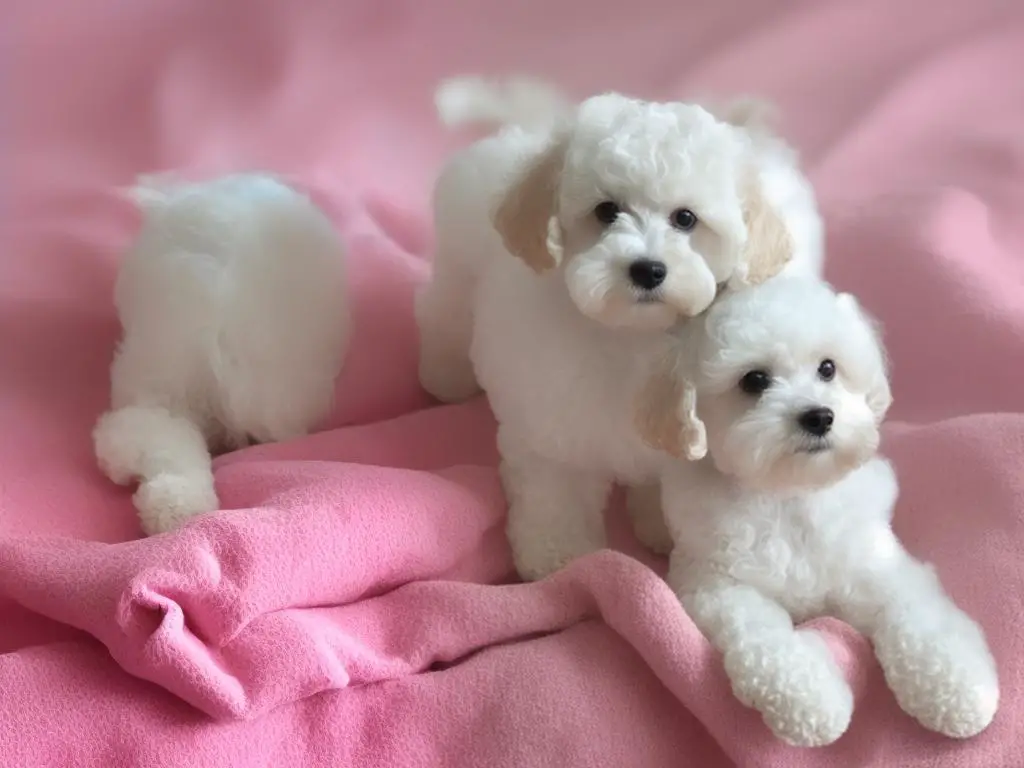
x: 647, y: 273
x: 817, y: 421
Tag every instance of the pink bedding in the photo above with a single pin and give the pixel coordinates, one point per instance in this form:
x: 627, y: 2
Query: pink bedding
x: 354, y: 608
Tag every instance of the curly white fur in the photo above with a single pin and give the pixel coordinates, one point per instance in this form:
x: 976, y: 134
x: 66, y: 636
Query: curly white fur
x: 232, y: 302
x: 559, y: 338
x: 781, y: 524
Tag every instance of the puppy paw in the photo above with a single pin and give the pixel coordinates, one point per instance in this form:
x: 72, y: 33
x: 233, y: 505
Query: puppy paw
x: 168, y: 501
x: 542, y: 558
x: 946, y: 680
x: 534, y: 566
x: 796, y: 686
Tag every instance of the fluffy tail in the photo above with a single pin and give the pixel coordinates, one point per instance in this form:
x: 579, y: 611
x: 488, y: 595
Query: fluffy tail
x: 471, y: 100
x: 747, y: 112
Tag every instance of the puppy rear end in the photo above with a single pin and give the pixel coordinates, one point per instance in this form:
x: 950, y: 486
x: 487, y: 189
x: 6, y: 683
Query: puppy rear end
x: 465, y: 195
x: 285, y: 321
x: 232, y: 302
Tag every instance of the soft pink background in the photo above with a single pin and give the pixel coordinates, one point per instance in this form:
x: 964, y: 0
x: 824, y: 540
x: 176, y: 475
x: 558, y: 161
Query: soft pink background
x: 911, y: 117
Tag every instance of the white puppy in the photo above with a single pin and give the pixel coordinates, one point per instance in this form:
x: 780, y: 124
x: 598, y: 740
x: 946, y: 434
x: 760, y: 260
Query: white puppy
x: 232, y: 301
x: 625, y: 215
x: 789, y: 518
x: 687, y: 186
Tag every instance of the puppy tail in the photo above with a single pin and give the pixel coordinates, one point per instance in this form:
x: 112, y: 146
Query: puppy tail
x: 759, y: 118
x: 748, y: 112
x: 151, y: 190
x: 523, y: 101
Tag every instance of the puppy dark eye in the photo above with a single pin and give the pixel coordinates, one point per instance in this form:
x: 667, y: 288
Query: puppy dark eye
x: 683, y: 219
x: 827, y: 370
x: 756, y: 382
x: 607, y: 212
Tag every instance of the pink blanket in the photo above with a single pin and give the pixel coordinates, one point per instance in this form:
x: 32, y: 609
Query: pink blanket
x: 354, y: 606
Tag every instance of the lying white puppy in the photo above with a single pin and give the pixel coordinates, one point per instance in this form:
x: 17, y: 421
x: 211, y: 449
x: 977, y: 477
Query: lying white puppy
x: 235, y: 318
x: 624, y: 216
x: 789, y: 519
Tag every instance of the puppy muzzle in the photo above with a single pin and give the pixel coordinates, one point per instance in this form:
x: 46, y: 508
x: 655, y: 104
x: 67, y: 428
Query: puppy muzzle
x: 689, y: 288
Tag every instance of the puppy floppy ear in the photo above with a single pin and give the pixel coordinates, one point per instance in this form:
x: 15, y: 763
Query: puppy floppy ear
x: 665, y: 414
x: 525, y: 216
x: 769, y: 246
x: 879, y: 394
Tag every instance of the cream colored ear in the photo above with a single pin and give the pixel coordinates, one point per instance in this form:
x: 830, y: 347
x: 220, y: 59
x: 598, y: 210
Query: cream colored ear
x: 524, y: 217
x: 879, y: 396
x: 769, y: 246
x: 665, y: 415
x: 692, y: 432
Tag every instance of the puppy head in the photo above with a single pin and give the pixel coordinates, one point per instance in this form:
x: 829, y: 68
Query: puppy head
x: 647, y: 208
x: 791, y: 384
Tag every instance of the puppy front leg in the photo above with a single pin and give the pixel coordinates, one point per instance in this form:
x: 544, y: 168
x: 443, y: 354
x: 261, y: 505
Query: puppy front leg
x: 555, y: 514
x: 643, y: 503
x: 786, y: 674
x: 934, y: 656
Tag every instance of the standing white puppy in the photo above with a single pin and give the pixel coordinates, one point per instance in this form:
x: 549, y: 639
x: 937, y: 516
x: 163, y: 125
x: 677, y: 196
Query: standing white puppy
x: 232, y: 302
x: 519, y: 191
x: 789, y: 518
x: 563, y: 249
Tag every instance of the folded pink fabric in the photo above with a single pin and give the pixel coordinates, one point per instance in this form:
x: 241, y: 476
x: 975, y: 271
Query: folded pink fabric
x: 354, y: 604
x: 330, y: 574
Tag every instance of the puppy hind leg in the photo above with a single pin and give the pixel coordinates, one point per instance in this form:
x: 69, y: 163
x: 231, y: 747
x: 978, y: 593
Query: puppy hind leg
x: 169, y: 457
x: 786, y: 674
x: 444, y: 316
x: 555, y: 515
